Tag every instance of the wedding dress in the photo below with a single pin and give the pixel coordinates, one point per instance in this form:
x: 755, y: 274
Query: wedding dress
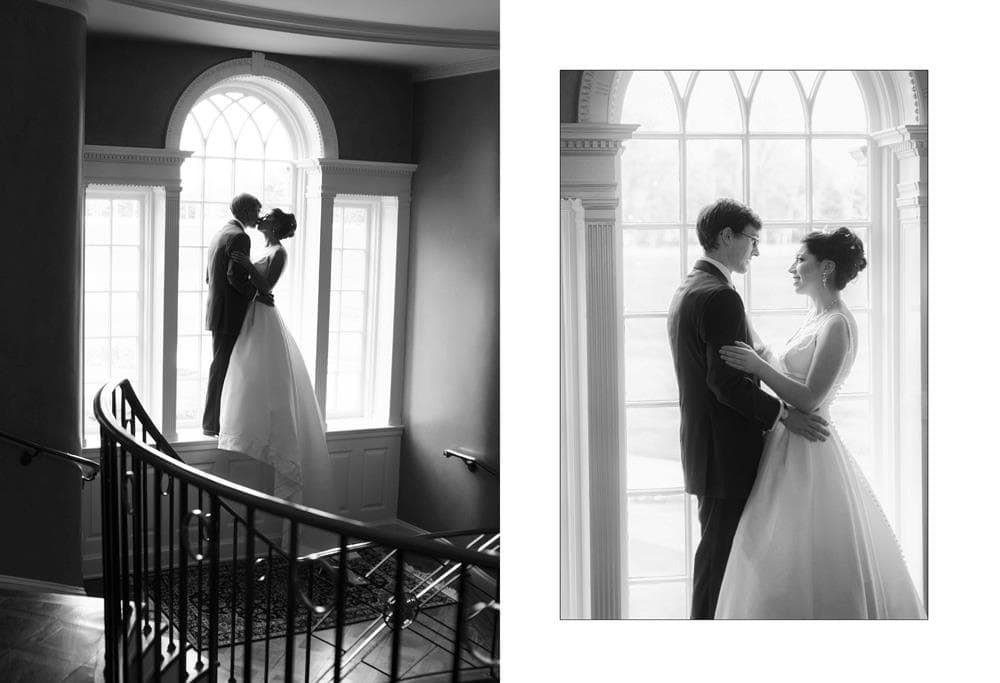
x: 813, y: 541
x: 269, y: 409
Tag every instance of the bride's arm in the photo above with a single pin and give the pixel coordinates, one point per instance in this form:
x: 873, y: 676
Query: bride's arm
x: 832, y: 344
x: 264, y: 282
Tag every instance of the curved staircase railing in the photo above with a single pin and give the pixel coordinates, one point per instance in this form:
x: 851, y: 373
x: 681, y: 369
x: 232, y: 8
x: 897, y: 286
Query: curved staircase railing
x: 88, y: 468
x: 206, y: 579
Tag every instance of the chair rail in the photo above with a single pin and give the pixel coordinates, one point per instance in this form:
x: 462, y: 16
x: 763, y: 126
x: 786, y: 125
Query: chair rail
x: 34, y: 450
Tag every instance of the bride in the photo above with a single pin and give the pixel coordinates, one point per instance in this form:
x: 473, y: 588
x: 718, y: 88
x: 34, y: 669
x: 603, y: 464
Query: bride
x: 813, y: 541
x: 269, y: 409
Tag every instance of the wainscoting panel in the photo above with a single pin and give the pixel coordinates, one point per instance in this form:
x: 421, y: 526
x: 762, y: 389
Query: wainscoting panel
x: 365, y: 464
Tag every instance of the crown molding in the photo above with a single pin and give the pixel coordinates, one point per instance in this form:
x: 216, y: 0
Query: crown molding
x: 457, y: 69
x: 81, y: 7
x: 594, y: 138
x: 132, y: 166
x: 379, y: 169
x: 326, y: 27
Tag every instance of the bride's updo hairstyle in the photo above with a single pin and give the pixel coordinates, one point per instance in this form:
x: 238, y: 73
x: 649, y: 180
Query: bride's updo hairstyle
x: 842, y: 247
x: 284, y: 223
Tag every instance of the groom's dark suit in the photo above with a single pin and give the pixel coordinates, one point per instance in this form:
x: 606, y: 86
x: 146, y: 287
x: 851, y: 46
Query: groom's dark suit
x: 724, y: 415
x: 229, y: 294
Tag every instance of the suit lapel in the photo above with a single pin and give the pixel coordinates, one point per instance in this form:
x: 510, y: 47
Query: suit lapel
x: 706, y: 267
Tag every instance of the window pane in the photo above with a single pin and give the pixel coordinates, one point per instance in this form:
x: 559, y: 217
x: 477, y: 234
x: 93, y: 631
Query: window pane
x: 98, y: 223
x: 250, y: 144
x: 651, y: 268
x: 236, y: 116
x: 189, y: 313
x: 189, y: 402
x: 96, y: 361
x: 355, y: 228
x: 778, y: 179
x: 776, y: 105
x: 205, y: 113
x: 351, y: 350
x: 714, y: 170
x: 125, y: 271
x: 352, y: 311
x: 97, y: 264
x: 190, y: 271
x: 126, y: 221
x: 277, y: 183
x: 219, y: 180
x: 649, y: 101
x: 278, y: 145
x: 190, y: 224
x: 649, y: 368
x: 125, y: 322
x: 188, y: 358
x: 681, y: 80
x: 192, y: 139
x: 838, y: 106
x: 96, y: 315
x: 651, y: 181
x: 654, y: 452
x: 192, y: 178
x: 840, y: 179
x: 656, y: 535
x: 659, y: 600
x: 714, y: 106
x: 216, y: 216
x: 125, y: 358
x: 220, y: 140
x: 347, y: 393
x: 353, y: 270
x: 250, y: 177
x: 859, y: 380
x: 770, y: 281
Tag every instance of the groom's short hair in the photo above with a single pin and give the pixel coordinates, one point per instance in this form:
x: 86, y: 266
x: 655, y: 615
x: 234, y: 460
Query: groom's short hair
x: 722, y: 214
x: 243, y: 204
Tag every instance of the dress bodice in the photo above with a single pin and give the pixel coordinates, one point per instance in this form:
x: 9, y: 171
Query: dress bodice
x: 797, y: 356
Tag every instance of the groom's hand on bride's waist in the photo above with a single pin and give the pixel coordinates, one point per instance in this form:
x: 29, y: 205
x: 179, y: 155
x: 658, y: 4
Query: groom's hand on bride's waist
x: 808, y: 425
x: 265, y: 298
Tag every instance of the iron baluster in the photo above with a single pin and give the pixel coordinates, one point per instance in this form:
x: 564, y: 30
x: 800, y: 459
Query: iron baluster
x: 397, y: 615
x: 215, y: 527
x: 248, y: 600
x: 293, y: 550
x: 459, y: 623
x: 338, y: 654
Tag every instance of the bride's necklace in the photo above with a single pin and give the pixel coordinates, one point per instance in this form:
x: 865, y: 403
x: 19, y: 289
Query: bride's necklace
x: 824, y: 310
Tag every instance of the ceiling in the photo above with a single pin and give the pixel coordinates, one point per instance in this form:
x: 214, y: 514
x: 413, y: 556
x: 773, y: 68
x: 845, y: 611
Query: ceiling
x: 426, y: 36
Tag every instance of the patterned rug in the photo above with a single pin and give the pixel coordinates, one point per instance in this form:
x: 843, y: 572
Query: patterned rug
x: 366, y: 597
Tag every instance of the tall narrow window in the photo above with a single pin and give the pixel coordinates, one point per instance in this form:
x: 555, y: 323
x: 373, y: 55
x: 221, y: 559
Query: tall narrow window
x: 361, y: 285
x: 115, y: 301
x: 241, y: 144
x: 795, y: 147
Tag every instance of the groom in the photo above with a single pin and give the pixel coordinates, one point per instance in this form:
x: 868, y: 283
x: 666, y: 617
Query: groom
x: 724, y: 412
x: 229, y: 295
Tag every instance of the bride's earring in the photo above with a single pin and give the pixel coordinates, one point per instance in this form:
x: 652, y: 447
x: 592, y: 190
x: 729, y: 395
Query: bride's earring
x: 826, y: 275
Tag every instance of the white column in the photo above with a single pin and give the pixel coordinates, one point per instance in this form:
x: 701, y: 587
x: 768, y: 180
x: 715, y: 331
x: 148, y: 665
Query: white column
x: 590, y: 171
x: 168, y: 342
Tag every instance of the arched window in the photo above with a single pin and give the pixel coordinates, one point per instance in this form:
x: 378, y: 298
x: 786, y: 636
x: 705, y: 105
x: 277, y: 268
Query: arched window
x: 795, y: 146
x: 242, y: 140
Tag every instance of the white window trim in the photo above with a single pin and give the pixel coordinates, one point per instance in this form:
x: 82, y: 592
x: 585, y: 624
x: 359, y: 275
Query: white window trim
x: 896, y: 104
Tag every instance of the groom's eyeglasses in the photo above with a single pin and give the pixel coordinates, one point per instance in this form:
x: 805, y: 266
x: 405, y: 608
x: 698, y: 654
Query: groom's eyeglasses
x: 754, y: 240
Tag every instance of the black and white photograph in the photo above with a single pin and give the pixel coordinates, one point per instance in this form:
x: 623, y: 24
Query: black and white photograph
x: 744, y: 344
x: 250, y: 423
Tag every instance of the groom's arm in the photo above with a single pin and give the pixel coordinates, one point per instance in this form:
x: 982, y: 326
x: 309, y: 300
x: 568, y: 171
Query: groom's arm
x: 236, y: 274
x: 724, y: 324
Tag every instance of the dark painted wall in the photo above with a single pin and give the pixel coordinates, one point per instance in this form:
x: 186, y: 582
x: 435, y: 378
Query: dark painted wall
x: 41, y: 66
x: 132, y: 87
x: 452, y: 389
x: 569, y: 95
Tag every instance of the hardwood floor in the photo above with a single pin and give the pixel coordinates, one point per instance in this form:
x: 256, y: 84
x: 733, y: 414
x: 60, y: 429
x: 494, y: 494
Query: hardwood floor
x: 50, y: 638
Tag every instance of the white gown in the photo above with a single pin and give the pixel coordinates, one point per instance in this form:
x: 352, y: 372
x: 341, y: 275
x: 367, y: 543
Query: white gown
x: 813, y: 541
x: 269, y: 409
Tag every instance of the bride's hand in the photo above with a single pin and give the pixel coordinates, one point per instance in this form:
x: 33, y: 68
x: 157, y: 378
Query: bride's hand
x: 742, y: 357
x: 241, y: 258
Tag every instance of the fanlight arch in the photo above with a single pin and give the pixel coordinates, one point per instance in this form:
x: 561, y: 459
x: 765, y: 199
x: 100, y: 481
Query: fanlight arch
x: 891, y: 98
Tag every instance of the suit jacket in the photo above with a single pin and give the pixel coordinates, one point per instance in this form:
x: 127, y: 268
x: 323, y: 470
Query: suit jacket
x: 724, y: 412
x: 229, y: 286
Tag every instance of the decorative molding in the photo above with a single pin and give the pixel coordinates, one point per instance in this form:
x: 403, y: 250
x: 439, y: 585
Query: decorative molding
x: 81, y: 7
x: 368, y: 168
x: 457, y: 69
x: 292, y: 90
x: 132, y: 166
x: 911, y: 195
x: 595, y: 91
x: 586, y: 92
x: 594, y: 138
x: 905, y: 141
x: 918, y: 98
x: 242, y: 14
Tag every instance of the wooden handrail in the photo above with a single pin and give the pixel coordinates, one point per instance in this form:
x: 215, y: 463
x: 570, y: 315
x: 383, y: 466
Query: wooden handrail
x: 470, y: 461
x: 34, y: 450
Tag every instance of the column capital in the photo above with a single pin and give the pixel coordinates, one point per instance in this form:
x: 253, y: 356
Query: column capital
x: 594, y: 138
x: 907, y: 141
